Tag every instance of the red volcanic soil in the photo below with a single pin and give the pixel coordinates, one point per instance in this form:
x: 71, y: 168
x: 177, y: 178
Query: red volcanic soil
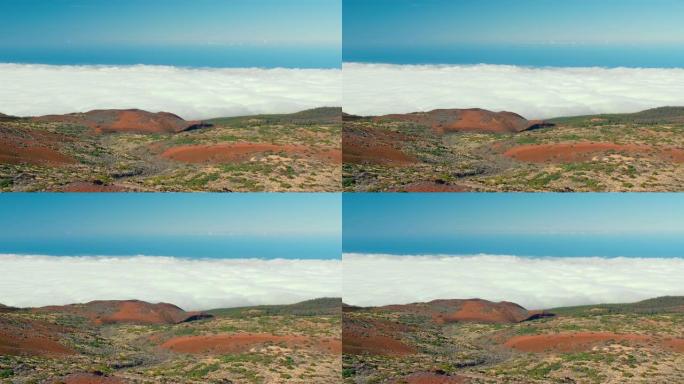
x: 84, y: 186
x: 375, y: 146
x: 128, y: 311
x: 358, y: 344
x: 430, y: 186
x: 88, y: 378
x: 32, y: 338
x: 676, y: 345
x: 569, y: 342
x: 472, y: 310
x: 32, y: 147
x: 374, y: 337
x: 243, y: 342
x: 128, y: 120
x: 468, y: 120
x: 484, y: 311
x: 430, y: 378
x: 674, y: 155
x: 583, y: 151
x: 569, y: 152
x: 238, y: 152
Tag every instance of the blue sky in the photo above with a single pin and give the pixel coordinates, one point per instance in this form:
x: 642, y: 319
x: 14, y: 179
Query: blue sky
x: 46, y: 214
x: 524, y: 213
x: 65, y: 31
x: 605, y: 224
x: 169, y: 22
x: 514, y: 31
x: 191, y: 225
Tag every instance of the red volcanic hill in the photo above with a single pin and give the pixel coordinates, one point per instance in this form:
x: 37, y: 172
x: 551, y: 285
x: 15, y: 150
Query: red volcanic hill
x: 128, y: 311
x: 374, y: 146
x: 32, y: 338
x: 468, y: 120
x: 375, y: 337
x: 32, y: 147
x: 28, y: 337
x: 470, y: 310
x: 126, y: 120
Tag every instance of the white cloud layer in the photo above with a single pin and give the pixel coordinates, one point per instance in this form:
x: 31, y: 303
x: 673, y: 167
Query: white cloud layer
x: 31, y: 89
x: 190, y: 284
x: 535, y: 93
x: 534, y: 283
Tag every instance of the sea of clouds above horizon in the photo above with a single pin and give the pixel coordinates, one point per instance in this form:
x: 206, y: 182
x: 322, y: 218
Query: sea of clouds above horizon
x: 533, y: 92
x: 535, y: 283
x: 192, y: 93
x: 37, y: 280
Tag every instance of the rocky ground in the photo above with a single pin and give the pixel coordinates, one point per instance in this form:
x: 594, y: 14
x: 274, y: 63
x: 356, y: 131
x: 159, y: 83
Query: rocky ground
x: 622, y: 343
x: 132, y: 150
x: 138, y: 342
x: 484, y: 151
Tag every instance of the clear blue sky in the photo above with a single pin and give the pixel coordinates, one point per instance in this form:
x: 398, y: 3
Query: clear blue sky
x: 513, y: 213
x: 539, y: 224
x: 169, y: 22
x: 29, y: 29
x: 39, y: 215
x: 424, y: 27
x: 439, y: 22
x: 196, y: 225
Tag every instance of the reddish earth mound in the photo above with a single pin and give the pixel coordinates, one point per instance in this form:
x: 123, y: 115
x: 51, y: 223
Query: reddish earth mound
x: 472, y: 310
x: 365, y: 145
x: 468, y: 120
x: 485, y: 311
x: 127, y: 120
x: 32, y: 338
x: 674, y: 155
x: 359, y: 344
x: 676, y: 345
x: 374, y: 337
x: 431, y: 378
x: 430, y: 186
x: 583, y: 151
x: 569, y: 342
x: 238, y: 152
x: 570, y: 152
x: 88, y: 378
x: 32, y: 147
x: 331, y: 155
x: 84, y: 186
x: 243, y: 342
x: 128, y: 311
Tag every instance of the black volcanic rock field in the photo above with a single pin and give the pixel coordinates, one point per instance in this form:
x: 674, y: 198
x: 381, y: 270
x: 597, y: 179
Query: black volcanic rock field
x: 451, y: 150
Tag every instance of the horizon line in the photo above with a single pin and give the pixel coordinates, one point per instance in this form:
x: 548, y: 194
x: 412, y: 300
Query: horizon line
x: 495, y: 255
